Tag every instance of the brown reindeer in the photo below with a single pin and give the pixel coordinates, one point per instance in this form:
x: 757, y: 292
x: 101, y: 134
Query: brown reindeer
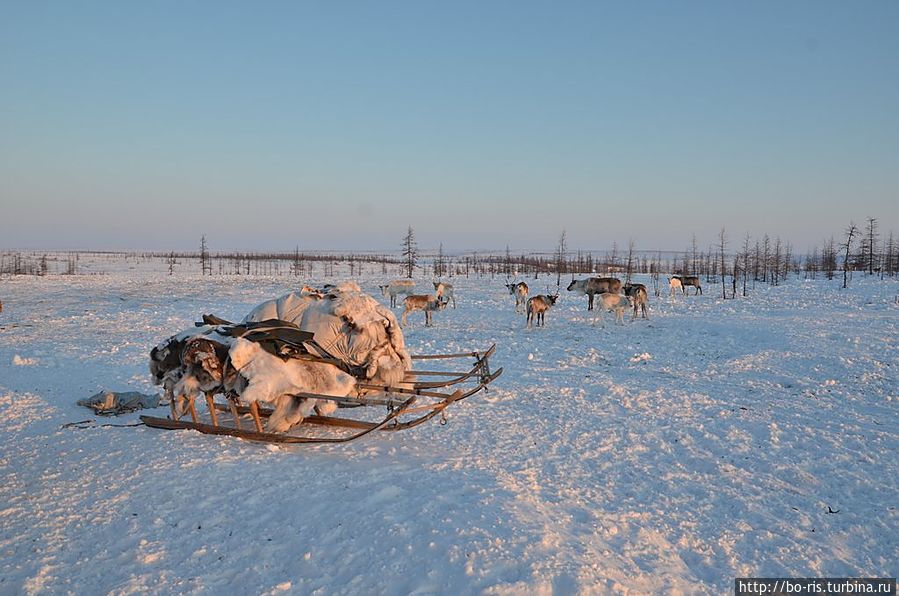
x: 688, y: 280
x: 537, y: 307
x: 640, y: 297
x: 428, y: 303
x: 595, y: 285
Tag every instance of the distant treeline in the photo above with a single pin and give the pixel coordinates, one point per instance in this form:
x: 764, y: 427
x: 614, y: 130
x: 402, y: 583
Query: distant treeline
x: 760, y: 260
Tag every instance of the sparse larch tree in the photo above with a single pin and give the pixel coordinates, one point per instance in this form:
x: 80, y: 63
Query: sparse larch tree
x: 205, y: 262
x: 722, y: 245
x: 440, y: 262
x: 694, y: 262
x: 871, y: 243
x: 560, y: 258
x: 410, y: 253
x: 829, y: 258
x: 295, y: 265
x: 746, y: 249
x: 846, y: 247
x: 889, y: 251
x: 630, y: 261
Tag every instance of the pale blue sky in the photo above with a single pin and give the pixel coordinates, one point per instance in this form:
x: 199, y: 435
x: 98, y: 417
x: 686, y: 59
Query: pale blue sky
x: 335, y: 125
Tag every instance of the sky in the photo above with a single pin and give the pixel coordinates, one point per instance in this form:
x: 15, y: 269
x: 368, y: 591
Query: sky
x: 337, y: 125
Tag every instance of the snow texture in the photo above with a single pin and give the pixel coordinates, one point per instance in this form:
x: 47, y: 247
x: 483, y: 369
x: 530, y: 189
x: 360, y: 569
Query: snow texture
x: 749, y: 437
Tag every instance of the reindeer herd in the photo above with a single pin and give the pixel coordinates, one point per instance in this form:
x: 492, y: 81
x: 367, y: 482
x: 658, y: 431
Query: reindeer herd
x: 607, y: 289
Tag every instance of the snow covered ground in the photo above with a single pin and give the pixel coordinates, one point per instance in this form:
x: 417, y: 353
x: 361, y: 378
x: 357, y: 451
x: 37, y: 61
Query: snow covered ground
x: 711, y: 441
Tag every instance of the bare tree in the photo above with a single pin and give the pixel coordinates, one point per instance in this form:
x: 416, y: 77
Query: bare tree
x: 871, y: 236
x: 171, y: 261
x: 295, y: 265
x: 889, y: 251
x: 440, y: 262
x: 205, y: 261
x: 654, y: 271
x: 722, y: 245
x: 746, y: 248
x: 612, y: 258
x: 560, y: 258
x: 736, y: 274
x: 410, y: 253
x: 630, y: 260
x: 846, y: 246
x: 694, y: 263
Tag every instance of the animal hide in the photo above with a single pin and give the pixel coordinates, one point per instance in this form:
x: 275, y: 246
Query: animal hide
x: 267, y: 378
x: 349, y: 325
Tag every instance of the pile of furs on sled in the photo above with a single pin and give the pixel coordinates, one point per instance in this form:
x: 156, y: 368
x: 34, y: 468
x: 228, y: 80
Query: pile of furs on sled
x: 313, y: 341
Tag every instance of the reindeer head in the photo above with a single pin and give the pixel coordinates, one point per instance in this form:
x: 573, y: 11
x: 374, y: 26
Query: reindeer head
x: 572, y: 285
x: 552, y: 299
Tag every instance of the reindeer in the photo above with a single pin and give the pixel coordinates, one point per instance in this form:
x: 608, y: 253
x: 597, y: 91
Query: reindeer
x: 520, y: 291
x: 674, y: 284
x: 609, y: 302
x: 691, y: 281
x: 428, y: 303
x: 638, y: 294
x: 445, y: 292
x: 538, y: 305
x: 396, y: 287
x: 595, y: 285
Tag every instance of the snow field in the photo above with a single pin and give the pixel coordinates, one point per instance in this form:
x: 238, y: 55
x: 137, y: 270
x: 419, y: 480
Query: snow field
x: 673, y: 454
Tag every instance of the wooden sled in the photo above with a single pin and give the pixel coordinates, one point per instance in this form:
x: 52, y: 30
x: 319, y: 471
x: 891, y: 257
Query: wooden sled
x: 407, y: 407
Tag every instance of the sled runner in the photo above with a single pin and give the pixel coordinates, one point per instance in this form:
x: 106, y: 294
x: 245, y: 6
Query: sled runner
x: 421, y: 396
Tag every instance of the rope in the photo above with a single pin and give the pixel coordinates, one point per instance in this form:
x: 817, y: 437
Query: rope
x: 93, y: 424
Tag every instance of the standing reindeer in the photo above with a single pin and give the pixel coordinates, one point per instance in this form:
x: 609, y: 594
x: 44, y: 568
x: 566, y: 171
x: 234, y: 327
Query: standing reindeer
x: 613, y: 303
x: 595, y: 285
x: 444, y: 291
x: 674, y: 284
x: 520, y: 291
x: 538, y: 305
x: 428, y: 303
x: 638, y: 295
x: 683, y: 281
x: 396, y: 287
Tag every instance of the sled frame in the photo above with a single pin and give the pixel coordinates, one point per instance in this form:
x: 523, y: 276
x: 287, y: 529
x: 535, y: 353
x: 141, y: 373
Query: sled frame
x: 407, y: 407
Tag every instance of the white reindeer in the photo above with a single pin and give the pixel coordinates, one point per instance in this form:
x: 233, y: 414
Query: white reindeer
x: 428, y: 303
x: 397, y: 287
x: 520, y: 291
x: 674, y: 284
x: 537, y: 307
x: 609, y: 302
x: 444, y: 291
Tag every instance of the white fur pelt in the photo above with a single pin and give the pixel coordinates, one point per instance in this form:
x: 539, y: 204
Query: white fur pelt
x: 266, y: 378
x: 349, y: 324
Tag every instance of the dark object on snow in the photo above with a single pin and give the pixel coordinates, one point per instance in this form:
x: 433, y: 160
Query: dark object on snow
x: 213, y: 320
x: 111, y: 403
